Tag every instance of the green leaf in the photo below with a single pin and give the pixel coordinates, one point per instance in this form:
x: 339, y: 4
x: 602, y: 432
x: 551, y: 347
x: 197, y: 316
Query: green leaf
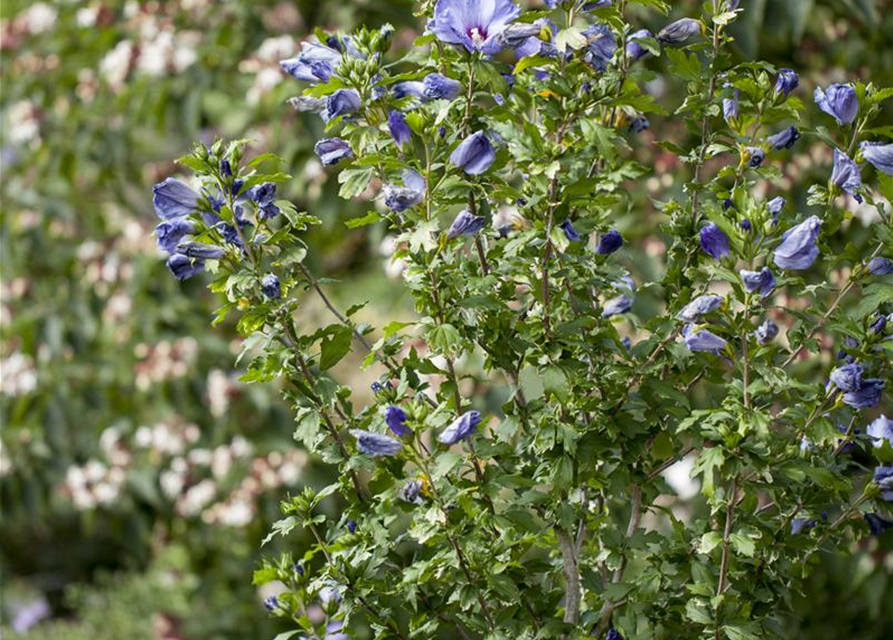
x: 710, y: 459
x: 743, y: 545
x: 335, y: 346
x: 686, y: 66
x: 354, y: 181
x: 363, y: 221
x: 307, y: 431
x: 709, y: 541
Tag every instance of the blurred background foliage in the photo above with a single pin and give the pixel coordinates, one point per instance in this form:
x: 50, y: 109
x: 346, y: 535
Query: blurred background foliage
x: 137, y: 475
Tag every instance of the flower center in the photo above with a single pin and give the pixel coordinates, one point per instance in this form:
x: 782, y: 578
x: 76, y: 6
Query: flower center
x: 477, y: 35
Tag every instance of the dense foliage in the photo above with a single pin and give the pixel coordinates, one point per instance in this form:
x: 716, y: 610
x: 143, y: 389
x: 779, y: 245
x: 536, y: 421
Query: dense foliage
x: 504, y: 142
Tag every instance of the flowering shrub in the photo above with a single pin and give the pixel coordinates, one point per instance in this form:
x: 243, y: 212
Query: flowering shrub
x: 515, y: 476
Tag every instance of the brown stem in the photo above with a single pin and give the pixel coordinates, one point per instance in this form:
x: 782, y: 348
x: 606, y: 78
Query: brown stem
x: 726, y: 551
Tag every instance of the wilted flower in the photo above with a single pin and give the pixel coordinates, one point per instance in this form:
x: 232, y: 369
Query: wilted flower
x: 396, y: 419
x: 883, y: 478
x: 699, y: 307
x: 766, y: 332
x: 412, y: 192
x: 601, y: 47
x: 714, y: 241
x: 798, y: 249
x: 784, y: 139
x: 170, y: 232
x: 634, y: 50
x: 880, y: 266
x: 376, y: 444
x: 756, y: 156
x: 473, y: 24
x: 867, y: 395
x: 331, y: 151
x: 270, y: 286
x: 183, y: 267
x: 400, y: 131
x: 461, y: 428
x: 307, y: 104
x: 517, y: 34
x: 343, y: 102
x: 609, y: 243
x: 762, y: 281
x: 879, y: 155
x: 263, y: 195
x: 411, y: 491
x: 847, y: 377
x: 617, y: 306
x: 569, y: 232
x: 465, y: 224
x: 679, y: 31
x: 200, y: 250
x: 702, y: 340
x: 174, y: 199
x: 787, y: 81
x: 438, y: 87
x: 316, y: 63
x: 474, y: 155
x: 881, y: 430
x: 839, y: 101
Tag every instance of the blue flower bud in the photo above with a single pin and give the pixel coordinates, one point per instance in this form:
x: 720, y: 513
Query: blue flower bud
x: 876, y: 266
x: 270, y: 286
x: 839, y: 101
x: 352, y: 526
x: 316, y: 63
x: 883, y: 478
x: 609, y: 243
x: 766, y: 332
x: 474, y: 155
x: 798, y: 249
x: 881, y: 431
x: 461, y: 428
x: 465, y: 224
x: 618, y: 306
x: 173, y: 199
x: 784, y: 139
x: 756, y: 156
x: 879, y: 155
x: 679, y: 31
x: 639, y: 124
x: 776, y: 206
x: 299, y: 569
x: 226, y: 168
x: 877, y: 524
x: 746, y: 225
x: 731, y: 106
x: 408, y: 88
x: 263, y: 193
x: 343, y: 102
x: 702, y: 340
x: 376, y: 444
x: 271, y: 603
x: 714, y: 241
x: 438, y: 87
x: 762, y: 281
x: 848, y: 377
x: 866, y: 396
x: 846, y: 175
x: 787, y: 81
x: 569, y: 232
x: 880, y: 323
x: 634, y: 50
x: 396, y: 419
x: 699, y: 307
x: 200, y: 250
x: 411, y: 491
x: 400, y: 131
x: 613, y: 634
x: 331, y: 151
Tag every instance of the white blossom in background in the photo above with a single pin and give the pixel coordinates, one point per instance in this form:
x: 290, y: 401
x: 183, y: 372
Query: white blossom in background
x: 115, y: 65
x: 264, y: 65
x: 197, y: 498
x: 17, y: 375
x: 23, y: 123
x: 40, y: 17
